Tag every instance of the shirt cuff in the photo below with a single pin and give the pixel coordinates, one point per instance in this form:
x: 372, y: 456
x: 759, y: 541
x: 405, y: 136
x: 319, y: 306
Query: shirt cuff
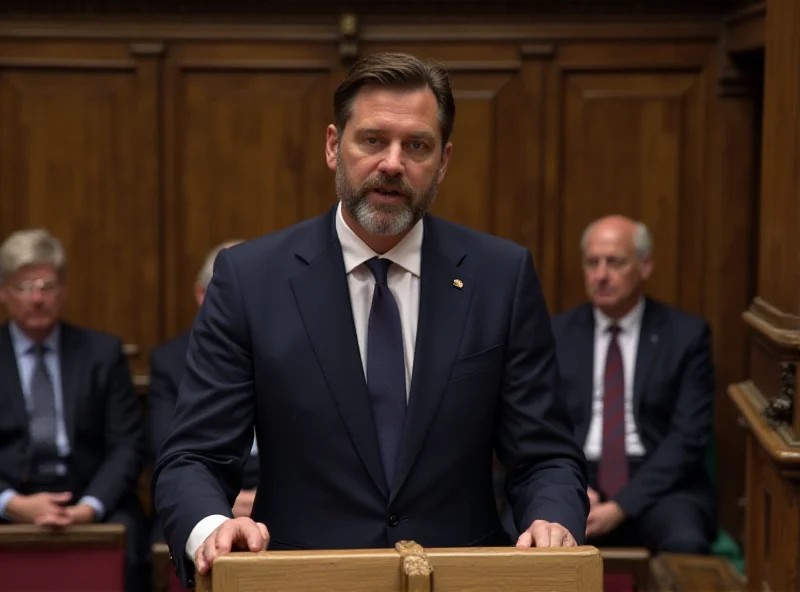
x: 201, y: 532
x: 96, y: 505
x: 5, y: 497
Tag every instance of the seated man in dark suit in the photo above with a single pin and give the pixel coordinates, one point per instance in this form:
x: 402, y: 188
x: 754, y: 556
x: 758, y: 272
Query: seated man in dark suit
x: 167, y: 364
x: 638, y: 379
x: 71, y: 429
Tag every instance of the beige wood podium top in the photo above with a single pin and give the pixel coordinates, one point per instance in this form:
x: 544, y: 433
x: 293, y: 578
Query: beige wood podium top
x: 474, y: 569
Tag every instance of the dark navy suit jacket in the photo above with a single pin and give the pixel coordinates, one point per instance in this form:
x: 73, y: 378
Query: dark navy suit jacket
x: 167, y: 365
x: 673, y: 400
x: 274, y: 343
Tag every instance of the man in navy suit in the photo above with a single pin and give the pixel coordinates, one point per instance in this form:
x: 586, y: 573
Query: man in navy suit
x: 167, y: 364
x: 638, y: 378
x: 71, y: 428
x: 383, y: 354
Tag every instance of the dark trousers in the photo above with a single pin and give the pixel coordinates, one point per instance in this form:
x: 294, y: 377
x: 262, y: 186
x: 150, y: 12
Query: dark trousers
x: 130, y: 515
x: 679, y: 522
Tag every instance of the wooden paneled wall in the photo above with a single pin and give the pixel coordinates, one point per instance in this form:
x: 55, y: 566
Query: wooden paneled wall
x: 143, y: 145
x: 768, y: 399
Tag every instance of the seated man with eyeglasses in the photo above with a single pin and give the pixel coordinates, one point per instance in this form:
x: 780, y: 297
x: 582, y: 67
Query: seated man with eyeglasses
x: 71, y: 429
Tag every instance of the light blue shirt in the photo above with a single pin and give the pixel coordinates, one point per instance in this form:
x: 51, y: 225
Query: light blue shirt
x: 26, y: 362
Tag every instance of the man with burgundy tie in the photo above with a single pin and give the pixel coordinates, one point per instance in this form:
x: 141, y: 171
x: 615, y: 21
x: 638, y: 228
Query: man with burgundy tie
x: 71, y: 427
x: 382, y: 355
x: 638, y: 379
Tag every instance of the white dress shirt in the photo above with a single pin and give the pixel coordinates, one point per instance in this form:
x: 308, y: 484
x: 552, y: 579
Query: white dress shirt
x: 403, y: 280
x: 628, y: 338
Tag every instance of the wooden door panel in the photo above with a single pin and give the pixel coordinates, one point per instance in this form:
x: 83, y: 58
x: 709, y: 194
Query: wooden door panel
x: 631, y: 146
x: 245, y: 131
x: 77, y: 156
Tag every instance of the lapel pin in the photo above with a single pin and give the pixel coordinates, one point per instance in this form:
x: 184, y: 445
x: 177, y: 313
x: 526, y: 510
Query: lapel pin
x: 458, y: 283
x: 654, y: 339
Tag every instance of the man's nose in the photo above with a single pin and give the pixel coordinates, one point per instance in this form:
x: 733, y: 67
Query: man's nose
x: 392, y: 163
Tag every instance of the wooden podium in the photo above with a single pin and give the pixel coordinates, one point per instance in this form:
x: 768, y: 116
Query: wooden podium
x: 772, y: 555
x: 409, y: 568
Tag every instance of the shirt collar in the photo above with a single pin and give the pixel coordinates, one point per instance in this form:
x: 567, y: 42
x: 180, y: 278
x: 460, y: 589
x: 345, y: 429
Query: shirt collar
x: 407, y: 253
x: 627, y: 324
x: 23, y: 344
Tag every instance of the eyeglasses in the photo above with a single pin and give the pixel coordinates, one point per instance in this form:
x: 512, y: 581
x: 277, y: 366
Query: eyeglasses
x: 44, y: 286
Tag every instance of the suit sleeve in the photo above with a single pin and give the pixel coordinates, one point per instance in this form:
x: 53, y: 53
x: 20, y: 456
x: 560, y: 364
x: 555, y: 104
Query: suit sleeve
x: 124, y: 437
x: 683, y: 450
x: 199, y: 469
x: 161, y: 397
x: 545, y: 468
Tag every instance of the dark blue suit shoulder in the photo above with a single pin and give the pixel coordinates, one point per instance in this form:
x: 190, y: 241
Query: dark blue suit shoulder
x: 169, y: 350
x: 684, y: 318
x: 100, y: 343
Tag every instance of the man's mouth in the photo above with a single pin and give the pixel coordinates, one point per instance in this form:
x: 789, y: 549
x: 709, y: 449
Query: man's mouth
x: 388, y: 192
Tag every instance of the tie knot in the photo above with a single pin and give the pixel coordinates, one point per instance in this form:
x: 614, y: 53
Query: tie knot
x: 379, y: 269
x: 614, y: 329
x: 39, y: 349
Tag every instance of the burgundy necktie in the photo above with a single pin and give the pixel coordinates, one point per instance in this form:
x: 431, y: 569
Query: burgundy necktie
x: 613, y: 469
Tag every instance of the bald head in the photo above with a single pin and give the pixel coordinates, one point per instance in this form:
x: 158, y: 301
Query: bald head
x: 617, y: 260
x: 207, y: 270
x: 634, y: 231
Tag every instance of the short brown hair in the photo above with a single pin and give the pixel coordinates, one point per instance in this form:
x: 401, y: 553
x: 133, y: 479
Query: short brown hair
x: 397, y: 70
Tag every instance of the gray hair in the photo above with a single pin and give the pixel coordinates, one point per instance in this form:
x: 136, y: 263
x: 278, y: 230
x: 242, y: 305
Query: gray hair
x: 32, y: 247
x: 207, y: 271
x: 642, y: 241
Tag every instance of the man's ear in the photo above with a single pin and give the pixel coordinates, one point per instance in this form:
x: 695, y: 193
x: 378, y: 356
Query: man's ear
x: 199, y: 294
x: 647, y: 267
x: 332, y: 147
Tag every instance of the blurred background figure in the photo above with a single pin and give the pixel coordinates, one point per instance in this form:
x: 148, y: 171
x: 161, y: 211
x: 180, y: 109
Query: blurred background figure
x: 167, y: 364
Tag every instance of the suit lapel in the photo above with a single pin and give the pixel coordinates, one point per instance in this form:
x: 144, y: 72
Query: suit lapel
x: 323, y: 299
x: 649, y: 340
x: 10, y: 378
x: 70, y: 361
x: 442, y: 316
x: 584, y: 358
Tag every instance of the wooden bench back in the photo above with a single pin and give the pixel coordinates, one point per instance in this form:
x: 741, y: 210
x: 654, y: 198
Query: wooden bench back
x: 90, y: 558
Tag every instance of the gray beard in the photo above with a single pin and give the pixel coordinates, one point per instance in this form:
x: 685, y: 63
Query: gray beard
x: 382, y: 219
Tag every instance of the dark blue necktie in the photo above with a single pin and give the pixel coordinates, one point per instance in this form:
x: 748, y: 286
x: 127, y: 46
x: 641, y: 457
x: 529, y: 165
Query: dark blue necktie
x: 386, y: 369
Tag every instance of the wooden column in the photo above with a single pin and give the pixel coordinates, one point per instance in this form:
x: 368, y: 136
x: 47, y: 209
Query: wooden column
x: 779, y: 273
x: 766, y: 401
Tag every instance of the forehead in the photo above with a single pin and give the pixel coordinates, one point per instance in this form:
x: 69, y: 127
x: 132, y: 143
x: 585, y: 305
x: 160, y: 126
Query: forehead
x: 396, y: 110
x: 35, y: 272
x: 609, y: 240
